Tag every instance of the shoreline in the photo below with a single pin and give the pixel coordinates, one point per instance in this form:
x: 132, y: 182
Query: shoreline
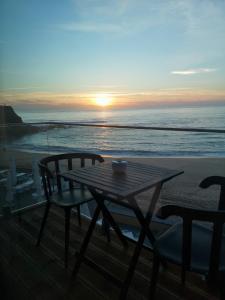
x: 20, y: 154
x: 36, y: 152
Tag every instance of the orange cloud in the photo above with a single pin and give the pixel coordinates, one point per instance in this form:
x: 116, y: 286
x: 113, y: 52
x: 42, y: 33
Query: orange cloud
x: 120, y: 99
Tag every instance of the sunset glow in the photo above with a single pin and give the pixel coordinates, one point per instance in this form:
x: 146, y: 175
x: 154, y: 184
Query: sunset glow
x: 103, y: 100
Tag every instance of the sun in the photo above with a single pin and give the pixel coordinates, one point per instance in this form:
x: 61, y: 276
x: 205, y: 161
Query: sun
x: 103, y: 100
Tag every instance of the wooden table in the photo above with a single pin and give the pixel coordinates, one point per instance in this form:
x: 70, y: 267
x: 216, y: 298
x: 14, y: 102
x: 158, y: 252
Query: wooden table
x: 121, y: 189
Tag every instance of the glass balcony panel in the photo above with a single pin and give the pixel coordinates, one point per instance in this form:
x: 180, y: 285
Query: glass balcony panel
x: 20, y: 182
x: 22, y: 147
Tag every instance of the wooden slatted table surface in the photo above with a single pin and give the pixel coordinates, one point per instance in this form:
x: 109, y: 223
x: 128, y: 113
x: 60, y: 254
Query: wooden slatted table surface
x: 138, y: 177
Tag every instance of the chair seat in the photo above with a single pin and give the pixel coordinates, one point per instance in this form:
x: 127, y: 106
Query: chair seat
x: 169, y: 246
x: 70, y: 198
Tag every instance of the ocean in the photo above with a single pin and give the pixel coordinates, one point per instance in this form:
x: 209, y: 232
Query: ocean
x: 129, y: 142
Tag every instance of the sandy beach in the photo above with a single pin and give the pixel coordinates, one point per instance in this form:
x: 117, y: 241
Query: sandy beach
x: 183, y: 190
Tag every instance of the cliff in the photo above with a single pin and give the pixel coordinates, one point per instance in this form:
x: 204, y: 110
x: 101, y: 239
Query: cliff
x: 8, y: 115
x: 12, y: 125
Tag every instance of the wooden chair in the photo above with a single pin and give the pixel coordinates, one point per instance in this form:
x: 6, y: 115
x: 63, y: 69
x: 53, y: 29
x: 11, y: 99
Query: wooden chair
x: 64, y: 194
x: 192, y: 245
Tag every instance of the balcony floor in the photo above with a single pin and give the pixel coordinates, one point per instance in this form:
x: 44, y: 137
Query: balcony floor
x: 29, y: 272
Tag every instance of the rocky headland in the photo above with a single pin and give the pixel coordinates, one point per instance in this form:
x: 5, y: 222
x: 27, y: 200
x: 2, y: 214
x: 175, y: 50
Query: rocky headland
x: 12, y: 125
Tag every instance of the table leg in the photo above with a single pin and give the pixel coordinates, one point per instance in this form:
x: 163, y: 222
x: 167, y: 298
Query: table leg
x: 106, y: 214
x: 145, y: 231
x: 106, y: 228
x: 132, y: 265
x: 145, y: 221
x: 111, y: 221
x: 145, y: 225
x: 86, y: 241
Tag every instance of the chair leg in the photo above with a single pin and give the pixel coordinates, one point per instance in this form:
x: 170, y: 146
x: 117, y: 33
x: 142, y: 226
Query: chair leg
x: 222, y: 285
x: 67, y: 234
x: 106, y: 228
x: 78, y: 215
x: 155, y: 272
x: 183, y: 276
x: 43, y: 223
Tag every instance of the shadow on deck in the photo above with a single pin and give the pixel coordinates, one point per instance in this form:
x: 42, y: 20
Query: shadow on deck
x: 29, y: 272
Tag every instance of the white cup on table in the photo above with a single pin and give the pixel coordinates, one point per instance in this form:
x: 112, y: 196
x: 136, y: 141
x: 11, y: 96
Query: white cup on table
x: 119, y: 166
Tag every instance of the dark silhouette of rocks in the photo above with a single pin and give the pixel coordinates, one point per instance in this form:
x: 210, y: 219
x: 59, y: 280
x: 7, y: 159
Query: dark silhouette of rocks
x: 12, y: 125
x: 8, y: 115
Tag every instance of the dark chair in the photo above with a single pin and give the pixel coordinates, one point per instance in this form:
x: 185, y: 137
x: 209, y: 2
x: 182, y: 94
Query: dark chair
x: 195, y: 246
x: 66, y: 195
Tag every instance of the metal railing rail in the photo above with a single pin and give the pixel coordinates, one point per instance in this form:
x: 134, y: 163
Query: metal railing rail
x: 184, y: 129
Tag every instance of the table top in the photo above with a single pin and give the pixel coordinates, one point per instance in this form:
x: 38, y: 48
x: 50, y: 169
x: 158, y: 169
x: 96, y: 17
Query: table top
x: 138, y: 178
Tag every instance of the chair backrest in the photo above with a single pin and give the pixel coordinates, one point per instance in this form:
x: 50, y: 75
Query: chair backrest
x: 51, y: 166
x: 217, y: 218
x: 216, y: 180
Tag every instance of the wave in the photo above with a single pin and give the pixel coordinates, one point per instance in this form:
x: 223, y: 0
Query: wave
x: 117, y: 152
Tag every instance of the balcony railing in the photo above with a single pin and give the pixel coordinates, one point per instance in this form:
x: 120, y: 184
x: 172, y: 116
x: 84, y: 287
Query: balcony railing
x: 20, y: 183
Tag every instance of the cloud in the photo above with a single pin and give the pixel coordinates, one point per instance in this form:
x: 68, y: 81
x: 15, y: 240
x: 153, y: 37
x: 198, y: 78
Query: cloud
x: 119, y: 17
x: 195, y: 17
x: 91, y: 27
x: 126, y: 99
x: 21, y: 88
x: 193, y: 71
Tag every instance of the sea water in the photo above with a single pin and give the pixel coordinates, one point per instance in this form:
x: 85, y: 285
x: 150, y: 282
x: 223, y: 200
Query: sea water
x: 129, y: 142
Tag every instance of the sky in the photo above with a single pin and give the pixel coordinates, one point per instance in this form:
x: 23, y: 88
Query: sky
x: 132, y: 53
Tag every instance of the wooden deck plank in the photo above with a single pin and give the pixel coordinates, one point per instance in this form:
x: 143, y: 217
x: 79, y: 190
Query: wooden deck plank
x: 142, y: 270
x: 38, y: 272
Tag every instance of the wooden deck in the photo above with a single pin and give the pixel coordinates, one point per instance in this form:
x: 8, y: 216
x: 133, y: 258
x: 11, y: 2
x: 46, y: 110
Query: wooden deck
x: 29, y: 272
